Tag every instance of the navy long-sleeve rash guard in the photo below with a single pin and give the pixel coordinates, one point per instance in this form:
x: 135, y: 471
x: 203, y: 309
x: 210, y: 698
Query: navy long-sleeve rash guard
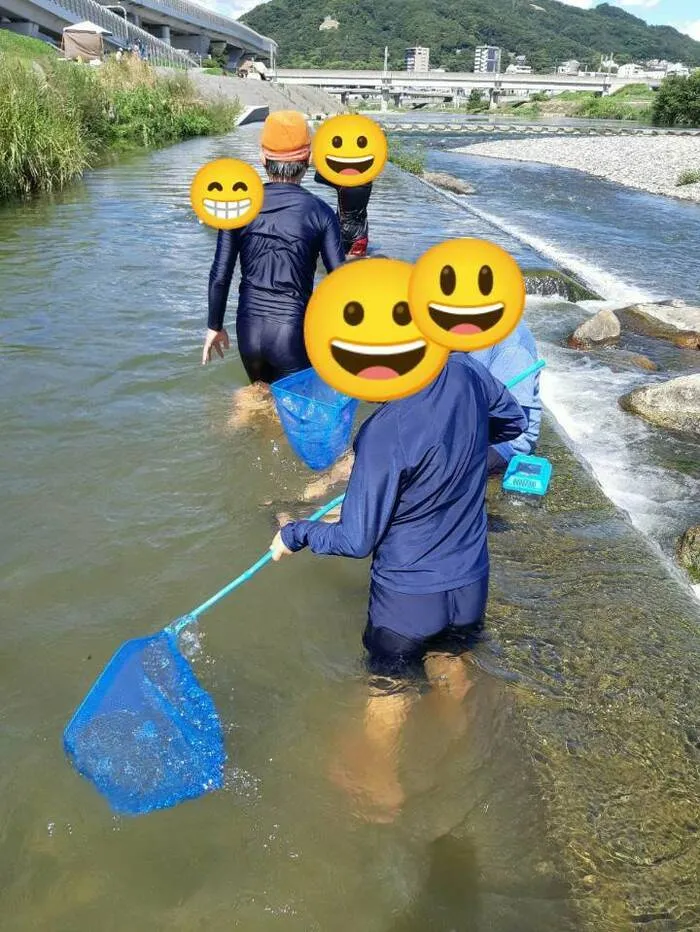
x: 416, y: 494
x: 279, y: 251
x: 352, y: 209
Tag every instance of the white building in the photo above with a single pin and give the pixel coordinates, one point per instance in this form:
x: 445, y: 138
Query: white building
x: 418, y: 59
x: 519, y: 69
x: 629, y: 71
x: 487, y: 58
x: 569, y: 67
x: 328, y: 23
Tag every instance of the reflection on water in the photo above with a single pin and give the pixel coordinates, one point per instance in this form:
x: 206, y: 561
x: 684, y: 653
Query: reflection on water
x: 128, y: 499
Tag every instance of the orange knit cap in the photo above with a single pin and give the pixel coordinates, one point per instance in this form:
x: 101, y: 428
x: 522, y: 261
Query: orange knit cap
x: 286, y: 137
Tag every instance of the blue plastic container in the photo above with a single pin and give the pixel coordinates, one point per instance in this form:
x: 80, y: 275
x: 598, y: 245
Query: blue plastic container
x: 528, y: 474
x: 316, y: 418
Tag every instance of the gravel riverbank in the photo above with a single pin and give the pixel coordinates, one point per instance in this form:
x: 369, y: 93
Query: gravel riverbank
x: 650, y: 164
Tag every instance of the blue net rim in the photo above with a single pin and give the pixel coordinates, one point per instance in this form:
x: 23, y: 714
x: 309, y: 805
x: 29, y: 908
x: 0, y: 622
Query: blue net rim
x: 279, y: 389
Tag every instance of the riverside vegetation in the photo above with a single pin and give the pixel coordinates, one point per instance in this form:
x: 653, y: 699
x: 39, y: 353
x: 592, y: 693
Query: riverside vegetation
x: 59, y: 118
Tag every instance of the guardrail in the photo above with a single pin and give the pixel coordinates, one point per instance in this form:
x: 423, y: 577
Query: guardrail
x: 193, y: 12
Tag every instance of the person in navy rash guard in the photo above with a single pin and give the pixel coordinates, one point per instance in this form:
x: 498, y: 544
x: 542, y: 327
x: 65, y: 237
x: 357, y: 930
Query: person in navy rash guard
x: 416, y: 501
x: 278, y: 253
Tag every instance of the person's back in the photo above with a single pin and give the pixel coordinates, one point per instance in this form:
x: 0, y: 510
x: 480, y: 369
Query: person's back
x: 505, y: 360
x: 436, y: 539
x: 352, y: 214
x: 416, y: 495
x: 278, y: 252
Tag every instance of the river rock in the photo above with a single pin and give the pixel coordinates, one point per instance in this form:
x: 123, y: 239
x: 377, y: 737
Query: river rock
x: 674, y: 404
x: 604, y: 327
x: 674, y: 321
x: 449, y: 183
x: 628, y: 358
x: 688, y: 552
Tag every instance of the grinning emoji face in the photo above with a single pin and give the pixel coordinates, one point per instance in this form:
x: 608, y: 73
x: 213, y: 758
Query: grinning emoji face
x: 466, y: 294
x: 360, y: 337
x: 226, y: 194
x: 349, y: 150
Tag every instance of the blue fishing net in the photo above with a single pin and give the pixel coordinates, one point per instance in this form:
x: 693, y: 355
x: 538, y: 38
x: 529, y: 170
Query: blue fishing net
x: 316, y: 418
x: 147, y: 735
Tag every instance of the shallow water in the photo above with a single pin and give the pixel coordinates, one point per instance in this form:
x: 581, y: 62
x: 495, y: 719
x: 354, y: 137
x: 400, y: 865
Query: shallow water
x: 128, y: 500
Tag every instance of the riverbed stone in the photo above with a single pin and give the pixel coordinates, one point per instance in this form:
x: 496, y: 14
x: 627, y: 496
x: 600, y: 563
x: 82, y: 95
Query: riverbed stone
x: 449, y: 183
x: 673, y: 321
x: 674, y: 404
x: 688, y: 552
x: 603, y: 328
x: 627, y: 358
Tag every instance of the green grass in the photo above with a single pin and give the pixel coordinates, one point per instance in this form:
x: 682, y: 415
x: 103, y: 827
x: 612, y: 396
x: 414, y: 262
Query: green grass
x: 24, y: 47
x: 59, y: 118
x: 410, y: 160
x: 689, y: 176
x: 632, y: 102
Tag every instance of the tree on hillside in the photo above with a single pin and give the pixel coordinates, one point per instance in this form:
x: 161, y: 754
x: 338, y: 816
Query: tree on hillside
x: 546, y: 32
x: 677, y: 102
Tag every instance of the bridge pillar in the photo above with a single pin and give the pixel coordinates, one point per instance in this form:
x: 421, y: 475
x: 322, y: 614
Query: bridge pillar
x: 24, y: 28
x: 199, y: 44
x: 234, y: 54
x: 384, y: 101
x: 134, y: 18
x: 344, y: 98
x: 397, y: 100
x: 494, y: 95
x: 162, y: 32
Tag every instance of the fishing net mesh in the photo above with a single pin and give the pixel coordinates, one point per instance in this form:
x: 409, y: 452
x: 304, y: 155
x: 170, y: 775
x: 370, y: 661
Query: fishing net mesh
x: 316, y: 419
x: 147, y: 735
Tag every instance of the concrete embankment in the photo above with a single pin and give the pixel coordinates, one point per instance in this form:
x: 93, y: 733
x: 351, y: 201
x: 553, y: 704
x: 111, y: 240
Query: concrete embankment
x: 310, y: 100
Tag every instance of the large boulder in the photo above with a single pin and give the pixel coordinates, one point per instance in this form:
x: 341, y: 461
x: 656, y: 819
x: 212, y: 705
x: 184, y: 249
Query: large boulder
x: 674, y: 320
x: 603, y: 328
x: 449, y: 182
x: 674, y: 404
x: 688, y: 552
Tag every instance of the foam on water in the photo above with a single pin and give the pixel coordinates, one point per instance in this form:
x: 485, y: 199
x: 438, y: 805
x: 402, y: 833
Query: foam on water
x: 583, y: 397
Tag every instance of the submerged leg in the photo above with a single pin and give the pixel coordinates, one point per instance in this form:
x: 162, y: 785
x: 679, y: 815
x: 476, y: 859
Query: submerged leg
x: 338, y: 473
x: 368, y: 765
x: 249, y: 403
x: 450, y: 683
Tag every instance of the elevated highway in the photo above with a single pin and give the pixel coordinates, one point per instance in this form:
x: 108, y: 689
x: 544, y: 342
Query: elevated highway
x: 171, y: 32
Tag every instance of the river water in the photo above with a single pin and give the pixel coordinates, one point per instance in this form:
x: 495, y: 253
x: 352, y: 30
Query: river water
x: 571, y: 800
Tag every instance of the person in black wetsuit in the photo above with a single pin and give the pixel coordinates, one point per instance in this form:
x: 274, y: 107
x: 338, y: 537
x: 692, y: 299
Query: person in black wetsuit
x: 278, y: 250
x: 352, y: 215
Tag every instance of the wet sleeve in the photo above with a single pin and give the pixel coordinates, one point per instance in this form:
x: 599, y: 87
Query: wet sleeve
x: 507, y: 419
x: 369, y: 503
x: 505, y: 367
x: 220, y: 276
x: 332, y: 252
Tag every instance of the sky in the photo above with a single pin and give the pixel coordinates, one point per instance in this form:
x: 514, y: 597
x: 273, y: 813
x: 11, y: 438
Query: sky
x: 683, y: 14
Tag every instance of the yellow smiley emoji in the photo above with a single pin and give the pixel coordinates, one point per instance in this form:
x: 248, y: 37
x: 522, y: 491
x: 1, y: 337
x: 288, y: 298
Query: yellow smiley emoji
x: 360, y: 337
x: 226, y: 194
x: 466, y: 294
x: 349, y: 150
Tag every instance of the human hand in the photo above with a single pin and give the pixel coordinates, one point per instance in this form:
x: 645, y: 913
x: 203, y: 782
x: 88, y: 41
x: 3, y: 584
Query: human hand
x: 278, y: 548
x: 215, y: 339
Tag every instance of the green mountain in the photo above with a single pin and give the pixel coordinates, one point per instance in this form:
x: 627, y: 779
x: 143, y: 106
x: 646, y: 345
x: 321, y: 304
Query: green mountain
x: 546, y: 31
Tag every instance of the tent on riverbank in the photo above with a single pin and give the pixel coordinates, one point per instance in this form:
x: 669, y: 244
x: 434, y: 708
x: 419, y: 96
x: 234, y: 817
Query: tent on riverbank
x: 83, y: 41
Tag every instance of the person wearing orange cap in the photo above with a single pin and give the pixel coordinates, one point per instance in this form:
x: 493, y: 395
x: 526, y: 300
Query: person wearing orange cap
x: 278, y: 253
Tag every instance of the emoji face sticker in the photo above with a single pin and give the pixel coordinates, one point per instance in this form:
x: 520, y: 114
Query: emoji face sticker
x: 349, y: 150
x: 466, y: 294
x: 226, y: 194
x: 360, y: 336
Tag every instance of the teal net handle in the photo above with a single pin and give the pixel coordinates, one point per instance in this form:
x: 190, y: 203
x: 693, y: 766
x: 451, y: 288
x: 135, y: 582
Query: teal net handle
x: 181, y: 623
x: 185, y: 620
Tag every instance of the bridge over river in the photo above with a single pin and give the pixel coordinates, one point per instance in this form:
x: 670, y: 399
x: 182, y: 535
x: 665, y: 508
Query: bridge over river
x: 171, y: 32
